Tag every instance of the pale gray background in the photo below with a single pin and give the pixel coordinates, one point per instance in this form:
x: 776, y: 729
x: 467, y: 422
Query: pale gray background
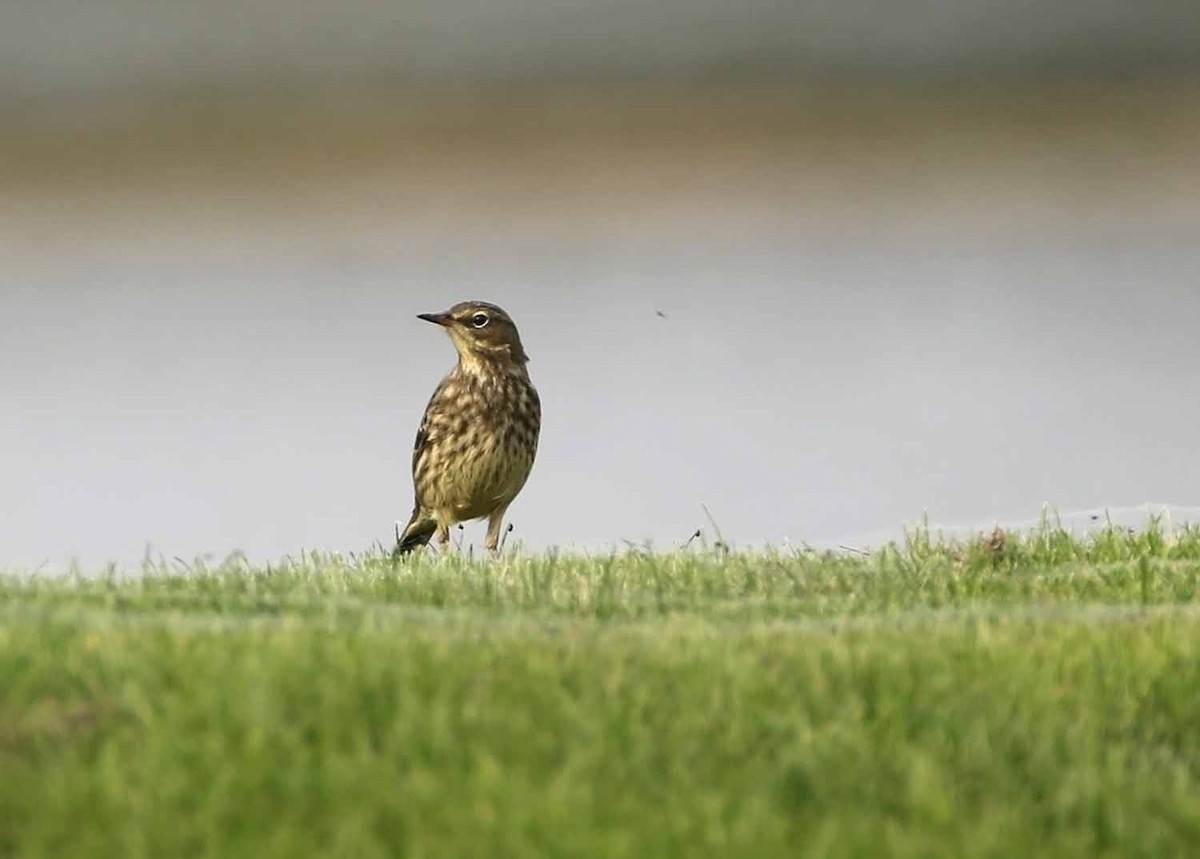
x: 969, y: 294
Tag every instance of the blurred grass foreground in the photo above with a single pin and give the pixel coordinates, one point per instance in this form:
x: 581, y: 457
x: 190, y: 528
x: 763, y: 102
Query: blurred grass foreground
x: 1009, y: 695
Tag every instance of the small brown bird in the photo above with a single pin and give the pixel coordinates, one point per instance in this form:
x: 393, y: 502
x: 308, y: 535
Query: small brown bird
x: 477, y: 440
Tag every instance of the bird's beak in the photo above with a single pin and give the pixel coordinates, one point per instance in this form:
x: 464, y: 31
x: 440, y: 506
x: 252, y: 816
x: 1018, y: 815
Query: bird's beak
x: 442, y: 319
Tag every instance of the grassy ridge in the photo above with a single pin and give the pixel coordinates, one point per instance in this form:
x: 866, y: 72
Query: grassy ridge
x: 1031, y: 695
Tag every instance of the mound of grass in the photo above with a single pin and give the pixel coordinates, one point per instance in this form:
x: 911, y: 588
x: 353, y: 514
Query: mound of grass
x: 1013, y: 695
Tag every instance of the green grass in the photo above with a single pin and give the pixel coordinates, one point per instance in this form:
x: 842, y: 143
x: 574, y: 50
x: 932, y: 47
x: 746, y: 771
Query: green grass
x: 1022, y: 696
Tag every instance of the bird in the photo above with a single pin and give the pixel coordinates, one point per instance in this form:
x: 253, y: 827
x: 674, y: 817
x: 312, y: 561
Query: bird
x: 477, y: 440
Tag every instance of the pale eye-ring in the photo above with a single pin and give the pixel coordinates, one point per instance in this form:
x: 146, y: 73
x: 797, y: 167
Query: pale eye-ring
x: 479, y: 320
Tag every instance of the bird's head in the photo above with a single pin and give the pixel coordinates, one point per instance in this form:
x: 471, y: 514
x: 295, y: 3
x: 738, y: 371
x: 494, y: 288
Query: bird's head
x: 480, y: 332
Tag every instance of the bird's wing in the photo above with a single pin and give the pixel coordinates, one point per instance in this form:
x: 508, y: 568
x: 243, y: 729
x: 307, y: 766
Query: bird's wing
x: 425, y: 432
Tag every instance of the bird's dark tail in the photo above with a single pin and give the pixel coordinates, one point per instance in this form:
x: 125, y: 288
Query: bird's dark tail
x: 416, y: 533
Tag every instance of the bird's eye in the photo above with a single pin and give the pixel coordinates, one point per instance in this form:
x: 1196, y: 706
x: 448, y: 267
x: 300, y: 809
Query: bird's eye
x: 479, y: 320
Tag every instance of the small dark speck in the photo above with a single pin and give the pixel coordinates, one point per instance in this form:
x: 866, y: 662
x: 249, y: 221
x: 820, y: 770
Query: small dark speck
x: 660, y: 314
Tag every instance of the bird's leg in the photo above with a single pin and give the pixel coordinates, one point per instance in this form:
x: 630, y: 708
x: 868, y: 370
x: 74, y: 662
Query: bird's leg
x: 443, y: 535
x: 493, y: 531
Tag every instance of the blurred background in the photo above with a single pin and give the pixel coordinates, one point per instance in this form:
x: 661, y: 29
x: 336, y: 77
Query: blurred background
x: 821, y: 268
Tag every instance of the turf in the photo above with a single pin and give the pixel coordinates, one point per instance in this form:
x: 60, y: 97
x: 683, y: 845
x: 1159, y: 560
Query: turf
x: 1033, y: 695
